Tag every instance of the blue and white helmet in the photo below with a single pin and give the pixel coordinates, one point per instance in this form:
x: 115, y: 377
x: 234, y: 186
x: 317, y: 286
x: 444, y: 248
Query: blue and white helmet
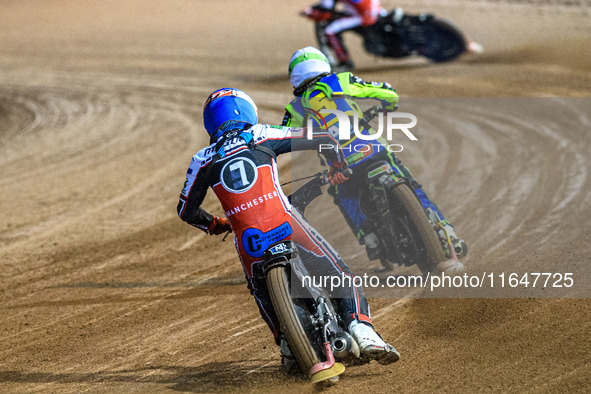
x: 307, y: 63
x: 228, y: 104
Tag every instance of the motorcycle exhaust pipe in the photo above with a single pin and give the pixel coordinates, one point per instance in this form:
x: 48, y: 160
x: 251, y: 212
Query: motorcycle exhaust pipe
x: 344, y: 346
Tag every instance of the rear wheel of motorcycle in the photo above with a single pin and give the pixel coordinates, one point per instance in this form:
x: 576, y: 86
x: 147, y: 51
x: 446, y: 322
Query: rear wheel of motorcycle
x: 291, y: 327
x: 405, y: 204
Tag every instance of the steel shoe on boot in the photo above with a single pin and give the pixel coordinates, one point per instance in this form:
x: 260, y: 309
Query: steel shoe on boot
x: 371, y: 344
x: 372, y: 246
x: 451, y: 267
x: 458, y: 244
x: 288, y: 362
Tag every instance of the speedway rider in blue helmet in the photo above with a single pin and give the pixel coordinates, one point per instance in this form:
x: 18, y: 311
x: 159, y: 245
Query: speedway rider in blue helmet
x: 316, y: 88
x: 240, y: 167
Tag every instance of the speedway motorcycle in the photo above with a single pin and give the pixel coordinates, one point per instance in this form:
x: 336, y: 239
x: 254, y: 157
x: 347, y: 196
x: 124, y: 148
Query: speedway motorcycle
x: 316, y: 335
x: 397, y: 34
x: 407, y: 234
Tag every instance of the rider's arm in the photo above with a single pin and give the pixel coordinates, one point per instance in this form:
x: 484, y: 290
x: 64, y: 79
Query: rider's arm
x: 292, y: 117
x: 382, y: 91
x: 287, y: 139
x: 192, y: 195
x: 286, y: 119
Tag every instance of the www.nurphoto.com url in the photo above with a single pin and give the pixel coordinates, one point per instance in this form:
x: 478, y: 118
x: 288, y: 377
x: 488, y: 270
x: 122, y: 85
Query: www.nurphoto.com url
x: 443, y: 280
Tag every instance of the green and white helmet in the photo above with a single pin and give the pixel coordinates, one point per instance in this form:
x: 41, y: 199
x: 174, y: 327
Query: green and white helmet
x: 307, y: 63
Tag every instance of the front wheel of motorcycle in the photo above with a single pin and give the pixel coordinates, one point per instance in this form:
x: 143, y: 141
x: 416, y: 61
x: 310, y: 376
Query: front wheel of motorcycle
x: 291, y: 327
x: 441, y: 40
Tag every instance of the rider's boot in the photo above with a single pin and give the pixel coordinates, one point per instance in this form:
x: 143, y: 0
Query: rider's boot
x: 452, y: 266
x: 458, y: 244
x: 289, y: 363
x: 435, y: 216
x: 372, y: 246
x: 336, y: 43
x: 371, y: 344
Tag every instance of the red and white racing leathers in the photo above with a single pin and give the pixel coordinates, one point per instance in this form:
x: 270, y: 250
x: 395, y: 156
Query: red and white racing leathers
x: 363, y: 13
x: 246, y: 182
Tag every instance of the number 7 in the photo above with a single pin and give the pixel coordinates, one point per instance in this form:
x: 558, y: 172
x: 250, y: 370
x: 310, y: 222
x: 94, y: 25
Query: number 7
x: 239, y: 165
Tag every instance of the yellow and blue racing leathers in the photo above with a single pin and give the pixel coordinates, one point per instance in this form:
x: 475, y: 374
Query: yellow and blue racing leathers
x: 345, y: 92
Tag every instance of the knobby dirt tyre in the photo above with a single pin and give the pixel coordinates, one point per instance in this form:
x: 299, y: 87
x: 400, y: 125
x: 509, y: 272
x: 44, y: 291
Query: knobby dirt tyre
x: 299, y: 344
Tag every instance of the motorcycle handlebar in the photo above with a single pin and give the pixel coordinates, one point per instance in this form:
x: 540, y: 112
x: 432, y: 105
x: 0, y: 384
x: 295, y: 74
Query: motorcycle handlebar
x: 347, y: 172
x: 322, y: 179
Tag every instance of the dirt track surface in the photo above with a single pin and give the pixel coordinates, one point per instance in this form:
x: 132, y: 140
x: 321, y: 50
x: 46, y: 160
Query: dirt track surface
x: 104, y: 289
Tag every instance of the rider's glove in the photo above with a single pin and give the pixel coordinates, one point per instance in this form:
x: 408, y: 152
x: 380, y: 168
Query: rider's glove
x: 338, y: 174
x: 219, y: 226
x: 389, y: 106
x: 317, y: 13
x: 320, y: 7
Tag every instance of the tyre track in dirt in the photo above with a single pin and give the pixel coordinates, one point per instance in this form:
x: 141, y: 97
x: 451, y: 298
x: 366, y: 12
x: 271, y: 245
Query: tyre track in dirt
x: 103, y: 289
x: 496, y: 132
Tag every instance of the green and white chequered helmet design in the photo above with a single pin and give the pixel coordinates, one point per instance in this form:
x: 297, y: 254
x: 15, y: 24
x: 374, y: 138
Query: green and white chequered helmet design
x: 307, y: 63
